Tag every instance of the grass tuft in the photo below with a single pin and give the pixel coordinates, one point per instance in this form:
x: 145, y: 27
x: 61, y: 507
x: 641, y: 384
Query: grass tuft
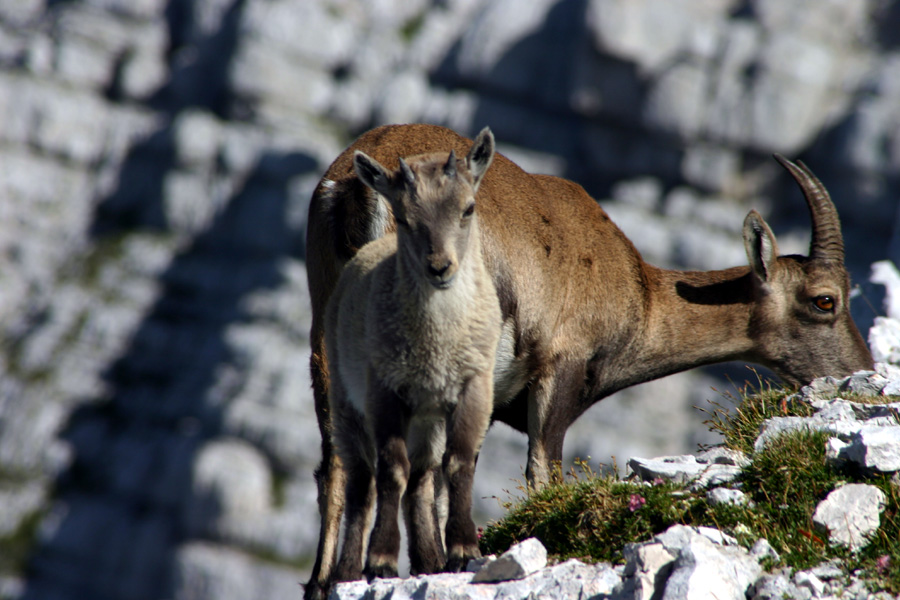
x: 588, y: 516
x: 739, y: 418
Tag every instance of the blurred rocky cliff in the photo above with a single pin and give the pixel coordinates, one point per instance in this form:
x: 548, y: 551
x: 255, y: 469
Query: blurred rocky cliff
x: 157, y: 435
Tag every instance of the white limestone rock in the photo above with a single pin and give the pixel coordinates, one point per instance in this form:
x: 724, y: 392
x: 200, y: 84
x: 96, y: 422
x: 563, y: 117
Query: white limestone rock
x: 865, y: 383
x: 723, y: 456
x: 476, y: 564
x: 678, y: 469
x: 715, y: 474
x: 762, y: 549
x: 677, y: 537
x: 805, y: 579
x: 205, y: 571
x: 876, y: 447
x: 571, y: 580
x: 648, y: 566
x: 710, y: 470
x: 885, y: 273
x: 231, y: 481
x: 520, y: 561
x: 850, y: 514
x: 836, y: 450
x: 722, y: 495
x: 704, y: 569
x: 777, y: 586
x: 884, y: 340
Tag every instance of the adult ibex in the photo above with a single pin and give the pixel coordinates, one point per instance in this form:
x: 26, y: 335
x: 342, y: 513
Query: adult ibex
x: 583, y: 314
x: 411, y: 334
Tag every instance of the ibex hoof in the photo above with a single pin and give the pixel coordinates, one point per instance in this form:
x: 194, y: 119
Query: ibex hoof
x: 456, y: 565
x: 315, y: 591
x: 381, y: 571
x: 458, y: 561
x: 427, y: 567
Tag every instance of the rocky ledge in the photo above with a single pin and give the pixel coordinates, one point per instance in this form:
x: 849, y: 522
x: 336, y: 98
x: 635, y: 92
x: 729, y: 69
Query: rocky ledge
x: 700, y: 562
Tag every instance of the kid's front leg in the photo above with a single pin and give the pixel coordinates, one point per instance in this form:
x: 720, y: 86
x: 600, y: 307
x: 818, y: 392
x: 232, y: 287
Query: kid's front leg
x: 390, y: 421
x: 467, y: 427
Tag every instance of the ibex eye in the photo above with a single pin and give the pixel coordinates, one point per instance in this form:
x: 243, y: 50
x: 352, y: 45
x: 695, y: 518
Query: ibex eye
x: 824, y: 303
x: 470, y: 209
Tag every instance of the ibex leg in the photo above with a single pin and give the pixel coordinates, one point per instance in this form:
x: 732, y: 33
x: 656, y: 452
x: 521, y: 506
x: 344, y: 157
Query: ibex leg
x: 426, y: 546
x: 391, y: 477
x: 467, y: 427
x: 330, y: 482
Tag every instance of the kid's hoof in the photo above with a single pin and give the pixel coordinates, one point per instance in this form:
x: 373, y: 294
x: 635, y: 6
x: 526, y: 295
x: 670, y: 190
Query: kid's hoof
x: 315, y: 591
x: 460, y: 556
x: 383, y: 571
x: 456, y: 565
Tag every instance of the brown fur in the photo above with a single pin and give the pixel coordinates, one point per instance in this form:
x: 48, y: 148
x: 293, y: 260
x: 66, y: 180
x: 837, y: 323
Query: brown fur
x: 587, y: 315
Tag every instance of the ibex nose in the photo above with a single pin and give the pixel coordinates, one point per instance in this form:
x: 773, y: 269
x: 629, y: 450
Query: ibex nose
x: 438, y: 273
x: 438, y: 270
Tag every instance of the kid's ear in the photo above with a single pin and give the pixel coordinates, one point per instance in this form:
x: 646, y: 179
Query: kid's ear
x: 481, y: 155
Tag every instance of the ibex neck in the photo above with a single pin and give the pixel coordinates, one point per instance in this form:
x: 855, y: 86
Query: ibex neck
x: 696, y: 318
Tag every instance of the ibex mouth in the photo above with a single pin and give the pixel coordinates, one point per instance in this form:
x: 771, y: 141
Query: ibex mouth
x: 442, y: 284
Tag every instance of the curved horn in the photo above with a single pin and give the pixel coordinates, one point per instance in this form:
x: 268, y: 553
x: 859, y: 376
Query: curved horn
x: 450, y: 167
x: 827, y: 242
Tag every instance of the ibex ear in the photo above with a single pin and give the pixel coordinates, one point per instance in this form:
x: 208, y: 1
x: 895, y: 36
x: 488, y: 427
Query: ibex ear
x: 371, y: 173
x: 480, y: 155
x: 759, y: 241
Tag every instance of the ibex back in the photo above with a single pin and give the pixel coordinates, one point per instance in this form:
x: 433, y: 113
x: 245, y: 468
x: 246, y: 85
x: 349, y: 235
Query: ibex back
x: 411, y: 334
x: 583, y: 314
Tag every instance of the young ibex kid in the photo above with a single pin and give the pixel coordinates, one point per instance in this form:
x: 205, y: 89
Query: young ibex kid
x: 411, y: 335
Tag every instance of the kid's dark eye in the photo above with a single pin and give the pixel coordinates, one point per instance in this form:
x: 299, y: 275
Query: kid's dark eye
x: 470, y: 210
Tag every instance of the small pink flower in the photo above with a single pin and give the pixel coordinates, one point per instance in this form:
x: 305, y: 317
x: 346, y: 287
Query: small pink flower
x: 635, y: 502
x: 659, y: 481
x: 883, y: 563
x: 480, y: 532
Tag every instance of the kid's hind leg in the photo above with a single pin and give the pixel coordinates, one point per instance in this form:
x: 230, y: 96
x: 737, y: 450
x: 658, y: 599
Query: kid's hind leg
x: 467, y: 427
